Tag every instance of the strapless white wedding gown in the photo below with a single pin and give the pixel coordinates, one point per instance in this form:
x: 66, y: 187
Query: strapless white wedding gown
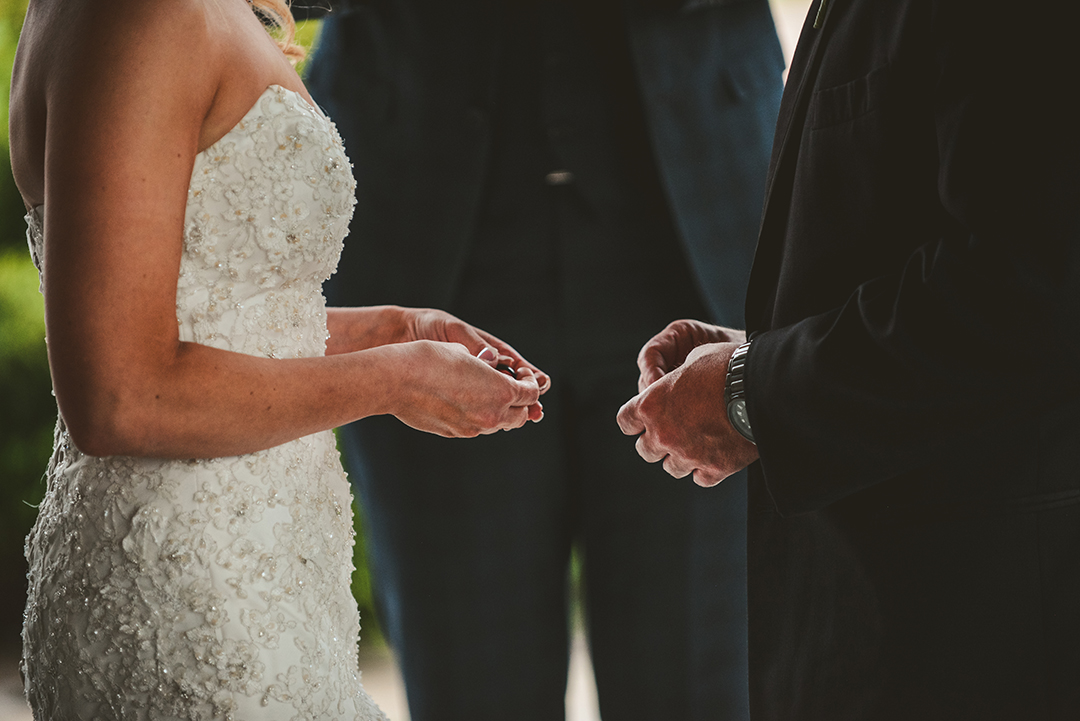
x: 214, y: 589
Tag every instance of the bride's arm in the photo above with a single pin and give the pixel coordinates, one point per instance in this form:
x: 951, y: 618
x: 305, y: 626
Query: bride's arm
x: 361, y: 328
x: 125, y: 121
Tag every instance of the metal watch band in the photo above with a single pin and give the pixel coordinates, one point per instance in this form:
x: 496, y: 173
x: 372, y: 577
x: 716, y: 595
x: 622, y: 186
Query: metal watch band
x: 735, y: 392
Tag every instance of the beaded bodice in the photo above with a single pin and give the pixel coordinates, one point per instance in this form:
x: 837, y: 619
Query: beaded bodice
x: 268, y: 207
x: 217, y: 588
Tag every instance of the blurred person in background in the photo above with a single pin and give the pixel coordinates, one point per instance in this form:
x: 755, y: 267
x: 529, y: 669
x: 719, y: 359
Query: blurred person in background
x: 192, y: 555
x: 573, y: 174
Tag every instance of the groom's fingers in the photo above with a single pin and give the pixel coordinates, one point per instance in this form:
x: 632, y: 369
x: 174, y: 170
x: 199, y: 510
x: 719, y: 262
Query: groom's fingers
x: 652, y: 364
x: 648, y: 377
x: 629, y: 421
x: 707, y: 478
x: 649, y: 450
x: 677, y: 468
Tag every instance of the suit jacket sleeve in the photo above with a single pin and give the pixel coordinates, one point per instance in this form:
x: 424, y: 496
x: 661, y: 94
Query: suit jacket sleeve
x: 975, y: 325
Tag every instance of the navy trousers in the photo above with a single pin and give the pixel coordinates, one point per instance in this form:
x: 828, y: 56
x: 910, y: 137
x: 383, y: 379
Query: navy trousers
x: 470, y: 540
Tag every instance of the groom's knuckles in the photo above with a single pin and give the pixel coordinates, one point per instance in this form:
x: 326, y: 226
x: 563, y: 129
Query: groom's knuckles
x: 629, y: 421
x: 649, y: 412
x: 708, y: 477
x: 643, y: 449
x: 676, y: 467
x: 666, y: 438
x: 648, y: 449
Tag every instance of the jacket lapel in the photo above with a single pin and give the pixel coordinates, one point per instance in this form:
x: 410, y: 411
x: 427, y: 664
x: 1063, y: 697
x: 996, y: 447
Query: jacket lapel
x: 789, y: 128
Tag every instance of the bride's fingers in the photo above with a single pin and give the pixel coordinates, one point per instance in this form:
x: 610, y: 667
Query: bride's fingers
x: 513, y: 366
x: 543, y: 380
x: 519, y: 361
x: 527, y: 387
x: 455, y: 330
x: 514, y: 417
x: 505, y: 364
x: 536, y: 412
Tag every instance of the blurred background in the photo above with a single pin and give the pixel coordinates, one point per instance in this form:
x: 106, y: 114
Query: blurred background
x: 28, y: 414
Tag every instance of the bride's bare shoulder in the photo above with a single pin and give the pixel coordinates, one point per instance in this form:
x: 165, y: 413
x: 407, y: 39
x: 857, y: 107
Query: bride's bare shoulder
x: 78, y: 38
x: 81, y: 60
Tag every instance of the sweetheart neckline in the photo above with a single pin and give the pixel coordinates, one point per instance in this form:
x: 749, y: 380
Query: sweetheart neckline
x: 314, y: 109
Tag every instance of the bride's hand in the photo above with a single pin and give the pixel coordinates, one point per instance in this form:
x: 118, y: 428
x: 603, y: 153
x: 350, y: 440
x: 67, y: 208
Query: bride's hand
x: 437, y: 325
x: 445, y: 389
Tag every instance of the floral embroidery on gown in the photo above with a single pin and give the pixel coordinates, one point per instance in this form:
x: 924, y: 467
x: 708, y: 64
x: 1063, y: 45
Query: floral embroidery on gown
x: 199, y: 590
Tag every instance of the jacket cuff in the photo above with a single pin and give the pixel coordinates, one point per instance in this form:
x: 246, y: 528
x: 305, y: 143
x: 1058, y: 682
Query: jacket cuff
x: 804, y: 468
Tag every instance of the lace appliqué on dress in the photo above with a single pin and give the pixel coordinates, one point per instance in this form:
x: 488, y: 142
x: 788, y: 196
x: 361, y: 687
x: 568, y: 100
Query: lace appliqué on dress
x: 214, y: 589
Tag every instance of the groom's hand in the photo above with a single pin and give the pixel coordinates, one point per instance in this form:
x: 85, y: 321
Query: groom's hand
x: 667, y: 350
x: 681, y: 419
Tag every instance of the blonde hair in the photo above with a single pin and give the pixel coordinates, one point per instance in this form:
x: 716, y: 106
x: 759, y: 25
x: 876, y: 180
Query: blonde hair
x: 277, y: 13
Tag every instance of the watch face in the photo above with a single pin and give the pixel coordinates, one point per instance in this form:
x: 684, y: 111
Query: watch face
x: 737, y: 416
x: 738, y: 409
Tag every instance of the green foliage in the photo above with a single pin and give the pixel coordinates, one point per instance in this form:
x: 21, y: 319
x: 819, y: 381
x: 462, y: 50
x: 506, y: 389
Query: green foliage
x: 26, y: 423
x: 29, y: 412
x: 22, y: 310
x: 371, y: 634
x: 11, y: 208
x: 307, y: 34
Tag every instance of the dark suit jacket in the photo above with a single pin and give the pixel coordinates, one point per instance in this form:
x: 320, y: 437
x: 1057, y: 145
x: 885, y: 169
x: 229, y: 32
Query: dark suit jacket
x: 410, y: 84
x: 915, y: 518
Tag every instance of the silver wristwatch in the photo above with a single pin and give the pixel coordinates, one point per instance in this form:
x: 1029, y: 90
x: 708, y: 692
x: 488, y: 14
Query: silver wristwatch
x: 735, y: 393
